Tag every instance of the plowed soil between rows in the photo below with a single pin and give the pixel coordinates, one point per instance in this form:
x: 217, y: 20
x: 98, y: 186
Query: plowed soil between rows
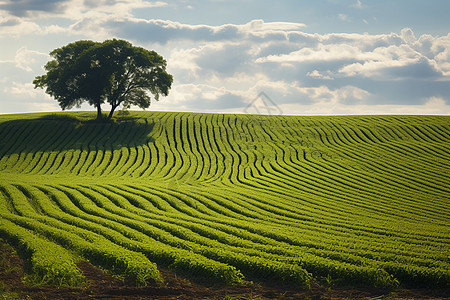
x: 101, y: 285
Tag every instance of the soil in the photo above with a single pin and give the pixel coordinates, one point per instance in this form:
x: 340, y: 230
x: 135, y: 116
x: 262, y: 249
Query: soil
x: 101, y: 285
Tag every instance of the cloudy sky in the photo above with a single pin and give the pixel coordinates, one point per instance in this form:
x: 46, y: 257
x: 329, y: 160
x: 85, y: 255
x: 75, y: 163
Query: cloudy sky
x: 280, y: 57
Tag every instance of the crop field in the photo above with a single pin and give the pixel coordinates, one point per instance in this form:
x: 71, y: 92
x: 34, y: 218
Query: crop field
x: 353, y: 200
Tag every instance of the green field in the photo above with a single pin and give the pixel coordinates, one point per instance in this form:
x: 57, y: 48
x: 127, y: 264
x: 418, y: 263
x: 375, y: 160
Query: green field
x: 348, y: 200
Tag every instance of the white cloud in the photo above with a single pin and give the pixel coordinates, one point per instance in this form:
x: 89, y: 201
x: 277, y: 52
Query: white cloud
x: 322, y: 52
x: 73, y: 9
x: 15, y: 27
x: 43, y: 106
x: 24, y: 90
x: 342, y: 109
x: 260, y: 25
x: 371, y: 68
x: 25, y: 58
x: 223, y: 67
x: 183, y: 61
x: 420, y: 67
x: 433, y: 106
x: 292, y: 99
x: 343, y: 17
x: 282, y: 92
x: 200, y: 97
x: 383, y: 56
x: 408, y: 35
x: 157, y: 31
x: 195, y: 97
x: 316, y: 74
x: 163, y: 31
x: 358, y: 4
x: 22, y: 18
x: 325, y: 95
x: 210, y: 65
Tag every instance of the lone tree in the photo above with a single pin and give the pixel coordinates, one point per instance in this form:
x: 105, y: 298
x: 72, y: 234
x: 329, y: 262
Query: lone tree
x: 113, y: 71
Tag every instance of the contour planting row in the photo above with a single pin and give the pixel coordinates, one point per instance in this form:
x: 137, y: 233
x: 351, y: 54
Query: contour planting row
x: 50, y: 263
x: 229, y: 239
x: 200, y: 146
x: 354, y: 198
x: 61, y: 146
x: 273, y: 260
x: 96, y: 248
x: 305, y: 175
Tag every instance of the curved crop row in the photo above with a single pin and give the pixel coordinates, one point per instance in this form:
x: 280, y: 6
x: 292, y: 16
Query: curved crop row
x: 360, y: 200
x: 50, y: 263
x: 96, y: 248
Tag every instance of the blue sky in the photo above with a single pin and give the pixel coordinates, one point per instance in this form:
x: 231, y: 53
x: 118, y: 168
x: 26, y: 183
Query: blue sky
x: 309, y: 57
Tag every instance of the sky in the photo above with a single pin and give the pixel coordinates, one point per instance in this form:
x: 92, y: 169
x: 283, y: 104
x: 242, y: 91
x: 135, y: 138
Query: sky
x: 291, y: 57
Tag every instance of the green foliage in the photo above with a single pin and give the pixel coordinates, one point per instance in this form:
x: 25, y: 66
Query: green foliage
x: 114, y: 71
x: 6, y: 294
x: 359, y: 200
x: 49, y: 263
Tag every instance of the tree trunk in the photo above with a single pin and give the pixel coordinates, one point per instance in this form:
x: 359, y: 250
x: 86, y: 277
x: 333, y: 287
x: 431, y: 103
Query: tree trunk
x: 99, y: 112
x: 113, y: 107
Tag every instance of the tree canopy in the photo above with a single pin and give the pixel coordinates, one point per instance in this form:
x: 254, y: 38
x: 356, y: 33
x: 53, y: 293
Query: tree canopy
x: 113, y: 71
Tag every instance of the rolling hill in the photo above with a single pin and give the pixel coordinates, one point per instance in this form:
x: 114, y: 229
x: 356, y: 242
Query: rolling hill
x: 354, y: 200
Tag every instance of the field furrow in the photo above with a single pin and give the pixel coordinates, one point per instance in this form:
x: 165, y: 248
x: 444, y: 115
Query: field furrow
x: 358, y: 200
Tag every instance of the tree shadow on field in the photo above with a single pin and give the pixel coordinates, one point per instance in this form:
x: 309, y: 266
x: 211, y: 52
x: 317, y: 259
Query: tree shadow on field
x: 62, y: 132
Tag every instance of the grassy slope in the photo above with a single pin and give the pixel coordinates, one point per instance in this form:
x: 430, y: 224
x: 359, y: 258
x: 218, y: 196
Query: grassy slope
x: 354, y: 199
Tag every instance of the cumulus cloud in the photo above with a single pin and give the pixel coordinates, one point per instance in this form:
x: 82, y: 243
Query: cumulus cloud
x: 380, y: 57
x: 347, y: 69
x: 25, y: 58
x: 224, y: 67
x: 24, y: 90
x: 283, y: 92
x: 432, y: 106
x: 260, y: 25
x: 198, y: 97
x: 14, y: 27
x: 73, y: 9
x: 395, y: 69
x: 21, y: 8
x: 225, y: 59
x: 322, y: 52
x: 23, y: 17
x: 162, y: 31
x: 316, y: 74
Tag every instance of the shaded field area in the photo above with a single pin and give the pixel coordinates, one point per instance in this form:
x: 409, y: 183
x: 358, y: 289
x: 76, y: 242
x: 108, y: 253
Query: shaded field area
x: 307, y: 202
